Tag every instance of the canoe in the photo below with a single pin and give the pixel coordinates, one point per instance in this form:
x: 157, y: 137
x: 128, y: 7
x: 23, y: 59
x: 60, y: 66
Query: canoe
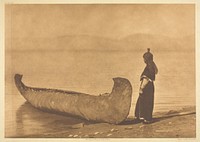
x: 111, y: 107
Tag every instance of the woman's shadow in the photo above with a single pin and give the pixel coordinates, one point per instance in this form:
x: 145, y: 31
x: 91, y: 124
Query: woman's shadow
x: 162, y: 116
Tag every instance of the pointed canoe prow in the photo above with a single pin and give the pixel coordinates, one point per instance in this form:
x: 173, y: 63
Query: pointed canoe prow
x: 18, y: 83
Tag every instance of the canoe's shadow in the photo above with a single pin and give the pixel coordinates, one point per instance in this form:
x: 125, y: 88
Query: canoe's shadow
x: 30, y: 118
x: 27, y: 114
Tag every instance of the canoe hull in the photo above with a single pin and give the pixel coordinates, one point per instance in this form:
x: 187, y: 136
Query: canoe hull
x: 111, y: 108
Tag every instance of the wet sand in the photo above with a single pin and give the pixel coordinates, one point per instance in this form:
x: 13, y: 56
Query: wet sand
x: 172, y: 124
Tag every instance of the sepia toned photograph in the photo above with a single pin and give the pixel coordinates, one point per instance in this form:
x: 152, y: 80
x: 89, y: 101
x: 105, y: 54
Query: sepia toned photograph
x: 100, y: 71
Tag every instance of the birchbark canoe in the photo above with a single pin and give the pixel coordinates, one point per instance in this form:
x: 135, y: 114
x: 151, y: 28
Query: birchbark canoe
x: 110, y: 108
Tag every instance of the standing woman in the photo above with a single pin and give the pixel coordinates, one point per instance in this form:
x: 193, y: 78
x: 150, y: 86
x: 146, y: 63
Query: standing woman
x: 145, y: 102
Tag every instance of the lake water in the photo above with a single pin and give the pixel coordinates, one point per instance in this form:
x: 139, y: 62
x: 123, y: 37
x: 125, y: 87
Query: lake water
x: 91, y: 72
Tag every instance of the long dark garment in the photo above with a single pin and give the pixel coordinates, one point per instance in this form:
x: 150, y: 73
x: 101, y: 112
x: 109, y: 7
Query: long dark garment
x: 145, y: 102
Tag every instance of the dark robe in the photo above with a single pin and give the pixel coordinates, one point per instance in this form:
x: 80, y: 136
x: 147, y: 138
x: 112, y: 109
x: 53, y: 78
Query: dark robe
x: 145, y: 102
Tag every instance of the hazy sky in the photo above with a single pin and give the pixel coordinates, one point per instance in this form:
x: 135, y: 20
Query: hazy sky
x: 113, y: 21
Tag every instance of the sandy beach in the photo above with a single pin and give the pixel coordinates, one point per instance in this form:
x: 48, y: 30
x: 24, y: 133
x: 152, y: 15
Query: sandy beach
x: 172, y: 124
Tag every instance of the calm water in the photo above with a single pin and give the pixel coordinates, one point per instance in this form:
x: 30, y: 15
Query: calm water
x: 91, y: 72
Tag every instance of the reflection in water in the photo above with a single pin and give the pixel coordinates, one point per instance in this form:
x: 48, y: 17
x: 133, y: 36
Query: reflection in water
x: 31, y: 121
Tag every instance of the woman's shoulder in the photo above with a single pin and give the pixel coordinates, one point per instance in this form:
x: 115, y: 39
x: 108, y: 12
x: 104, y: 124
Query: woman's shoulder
x: 148, y: 72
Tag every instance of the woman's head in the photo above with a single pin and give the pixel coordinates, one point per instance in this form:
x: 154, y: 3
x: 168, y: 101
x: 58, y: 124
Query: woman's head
x: 148, y: 57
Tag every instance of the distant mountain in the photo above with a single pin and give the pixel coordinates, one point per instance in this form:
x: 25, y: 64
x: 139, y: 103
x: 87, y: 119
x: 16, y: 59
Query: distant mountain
x: 159, y: 42
x: 85, y: 42
x: 72, y: 43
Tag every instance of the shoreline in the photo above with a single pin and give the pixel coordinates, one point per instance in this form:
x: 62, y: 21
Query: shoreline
x: 171, y: 124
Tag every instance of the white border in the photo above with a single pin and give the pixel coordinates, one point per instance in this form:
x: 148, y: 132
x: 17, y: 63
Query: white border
x: 2, y: 59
